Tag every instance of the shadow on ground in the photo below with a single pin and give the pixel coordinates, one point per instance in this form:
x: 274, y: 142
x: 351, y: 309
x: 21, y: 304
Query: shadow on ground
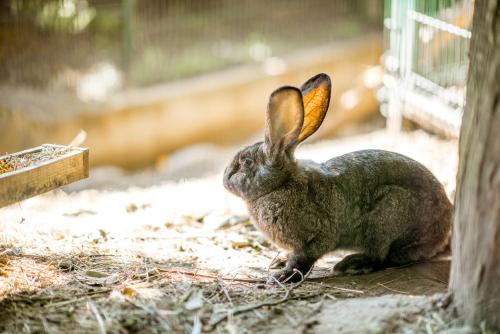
x: 89, y: 293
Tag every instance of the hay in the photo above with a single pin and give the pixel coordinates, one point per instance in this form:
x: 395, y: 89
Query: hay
x: 178, y: 257
x: 15, y: 162
x: 122, y: 292
x: 131, y: 297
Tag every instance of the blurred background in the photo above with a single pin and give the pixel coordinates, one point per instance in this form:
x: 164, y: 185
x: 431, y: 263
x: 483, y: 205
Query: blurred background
x: 167, y: 91
x: 157, y: 82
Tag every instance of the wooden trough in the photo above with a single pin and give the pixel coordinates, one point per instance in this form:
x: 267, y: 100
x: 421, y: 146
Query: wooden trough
x: 37, y: 170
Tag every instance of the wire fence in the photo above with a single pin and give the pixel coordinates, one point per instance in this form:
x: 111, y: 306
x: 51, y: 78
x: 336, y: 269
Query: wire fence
x: 426, y: 62
x: 63, y: 44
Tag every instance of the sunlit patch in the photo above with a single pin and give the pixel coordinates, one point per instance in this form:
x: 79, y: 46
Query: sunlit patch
x: 349, y: 99
x: 170, y: 253
x: 259, y: 51
x: 20, y: 275
x: 372, y: 77
x: 66, y: 15
x: 102, y: 80
x: 316, y: 97
x: 274, y: 66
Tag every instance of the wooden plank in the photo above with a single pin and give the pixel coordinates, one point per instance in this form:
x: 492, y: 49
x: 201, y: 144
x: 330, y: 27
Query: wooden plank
x: 44, y: 176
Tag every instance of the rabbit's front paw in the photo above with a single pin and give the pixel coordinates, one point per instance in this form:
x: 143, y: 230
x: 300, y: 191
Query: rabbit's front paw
x: 296, y: 268
x: 286, y: 276
x: 356, y: 264
x: 278, y: 263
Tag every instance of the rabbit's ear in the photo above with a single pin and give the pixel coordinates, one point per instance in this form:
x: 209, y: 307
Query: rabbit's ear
x: 316, y: 96
x: 284, y: 119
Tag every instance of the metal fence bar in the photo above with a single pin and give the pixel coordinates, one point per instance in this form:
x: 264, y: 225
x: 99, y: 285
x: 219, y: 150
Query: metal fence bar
x: 435, y: 89
x: 426, y: 61
x: 438, y: 24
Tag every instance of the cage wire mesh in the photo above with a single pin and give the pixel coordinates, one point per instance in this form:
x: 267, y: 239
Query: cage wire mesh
x: 426, y: 62
x: 71, y: 45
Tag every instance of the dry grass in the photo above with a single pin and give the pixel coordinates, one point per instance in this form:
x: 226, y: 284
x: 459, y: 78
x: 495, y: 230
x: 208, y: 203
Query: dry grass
x: 11, y: 163
x: 180, y: 257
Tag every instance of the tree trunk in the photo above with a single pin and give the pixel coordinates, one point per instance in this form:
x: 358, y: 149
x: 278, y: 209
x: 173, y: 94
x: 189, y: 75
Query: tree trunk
x: 475, y: 272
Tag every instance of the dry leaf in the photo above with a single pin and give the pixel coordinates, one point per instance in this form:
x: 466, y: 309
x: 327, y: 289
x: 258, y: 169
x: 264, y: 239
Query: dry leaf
x: 96, y: 274
x: 232, y: 328
x: 128, y: 292
x: 131, y: 208
x: 195, y: 300
x: 239, y: 242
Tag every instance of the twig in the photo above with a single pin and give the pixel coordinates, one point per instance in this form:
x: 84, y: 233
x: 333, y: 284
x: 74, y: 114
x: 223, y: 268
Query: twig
x: 434, y: 279
x: 295, y: 271
x: 196, y: 325
x: 393, y: 290
x: 245, y: 280
x: 347, y: 290
x: 78, y: 298
x: 287, y: 290
x: 45, y: 325
x: 65, y: 302
x: 79, y: 139
x: 154, y: 312
x: 250, y: 307
x: 5, y: 251
x: 100, y: 322
x: 308, y: 316
x: 226, y: 293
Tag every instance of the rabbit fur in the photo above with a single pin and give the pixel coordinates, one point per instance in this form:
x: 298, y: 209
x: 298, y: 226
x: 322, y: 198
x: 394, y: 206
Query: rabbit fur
x: 386, y: 207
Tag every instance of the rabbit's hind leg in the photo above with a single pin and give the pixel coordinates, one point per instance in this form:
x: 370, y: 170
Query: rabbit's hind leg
x: 427, y: 236
x: 356, y: 264
x: 411, y: 252
x: 384, y: 223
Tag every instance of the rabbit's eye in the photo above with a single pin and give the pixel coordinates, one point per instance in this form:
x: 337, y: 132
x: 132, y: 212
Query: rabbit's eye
x: 246, y: 162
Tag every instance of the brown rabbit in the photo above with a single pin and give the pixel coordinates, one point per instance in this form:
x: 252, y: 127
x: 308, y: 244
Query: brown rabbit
x: 385, y: 206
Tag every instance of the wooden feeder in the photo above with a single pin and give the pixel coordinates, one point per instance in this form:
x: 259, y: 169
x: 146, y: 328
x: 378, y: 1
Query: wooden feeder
x: 37, y: 170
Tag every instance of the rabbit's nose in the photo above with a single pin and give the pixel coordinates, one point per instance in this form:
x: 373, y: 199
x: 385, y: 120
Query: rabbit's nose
x: 230, y: 170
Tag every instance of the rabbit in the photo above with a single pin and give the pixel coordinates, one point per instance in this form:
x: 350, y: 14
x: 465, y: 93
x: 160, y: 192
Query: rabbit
x: 386, y: 207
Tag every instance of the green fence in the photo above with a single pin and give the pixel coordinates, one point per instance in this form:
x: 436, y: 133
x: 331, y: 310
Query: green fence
x: 58, y: 44
x: 426, y: 45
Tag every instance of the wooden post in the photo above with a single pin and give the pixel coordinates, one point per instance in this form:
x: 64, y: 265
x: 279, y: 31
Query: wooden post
x: 475, y: 273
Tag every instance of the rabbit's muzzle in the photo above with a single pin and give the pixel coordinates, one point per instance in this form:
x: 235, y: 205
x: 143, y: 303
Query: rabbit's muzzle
x: 228, y: 173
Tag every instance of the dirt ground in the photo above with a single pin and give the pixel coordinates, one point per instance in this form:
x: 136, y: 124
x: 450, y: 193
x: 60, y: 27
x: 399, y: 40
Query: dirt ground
x: 169, y: 250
